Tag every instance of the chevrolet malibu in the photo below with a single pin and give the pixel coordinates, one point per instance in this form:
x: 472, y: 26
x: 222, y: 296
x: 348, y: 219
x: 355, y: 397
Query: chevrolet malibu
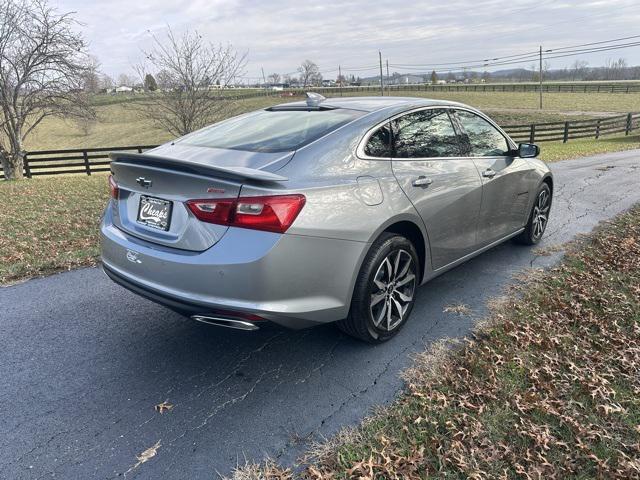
x: 324, y: 210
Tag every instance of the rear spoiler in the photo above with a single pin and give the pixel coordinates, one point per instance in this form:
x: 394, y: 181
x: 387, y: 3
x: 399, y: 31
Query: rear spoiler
x: 235, y: 173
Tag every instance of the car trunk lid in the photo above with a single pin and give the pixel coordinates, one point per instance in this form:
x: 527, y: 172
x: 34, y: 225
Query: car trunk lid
x: 154, y: 186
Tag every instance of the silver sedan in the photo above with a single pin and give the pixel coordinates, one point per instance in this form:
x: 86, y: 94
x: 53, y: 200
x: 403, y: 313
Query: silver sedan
x: 325, y: 210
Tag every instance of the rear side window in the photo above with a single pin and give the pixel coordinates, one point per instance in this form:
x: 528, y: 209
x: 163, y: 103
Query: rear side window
x: 271, y: 131
x: 379, y: 144
x: 425, y: 134
x: 484, y: 140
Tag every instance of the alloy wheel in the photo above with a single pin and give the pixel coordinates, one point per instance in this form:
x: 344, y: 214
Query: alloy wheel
x: 541, y: 213
x: 394, y: 287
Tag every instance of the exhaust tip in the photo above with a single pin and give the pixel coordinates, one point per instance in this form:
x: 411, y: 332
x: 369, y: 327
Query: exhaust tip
x: 225, y: 322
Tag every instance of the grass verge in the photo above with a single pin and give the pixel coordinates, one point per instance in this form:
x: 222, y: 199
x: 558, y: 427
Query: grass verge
x: 49, y: 224
x: 548, y: 388
x: 554, y: 151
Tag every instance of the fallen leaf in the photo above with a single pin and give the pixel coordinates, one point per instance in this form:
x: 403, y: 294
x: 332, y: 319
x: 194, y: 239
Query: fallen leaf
x: 163, y: 407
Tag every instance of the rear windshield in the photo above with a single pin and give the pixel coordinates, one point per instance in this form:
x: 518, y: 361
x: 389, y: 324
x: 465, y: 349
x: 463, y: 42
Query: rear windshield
x: 271, y: 131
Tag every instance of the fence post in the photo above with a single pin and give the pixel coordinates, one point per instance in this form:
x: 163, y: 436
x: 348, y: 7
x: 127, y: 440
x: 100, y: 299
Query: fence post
x: 87, y: 167
x: 565, y: 138
x: 629, y: 121
x: 598, y: 129
x: 27, y: 168
x: 532, y: 133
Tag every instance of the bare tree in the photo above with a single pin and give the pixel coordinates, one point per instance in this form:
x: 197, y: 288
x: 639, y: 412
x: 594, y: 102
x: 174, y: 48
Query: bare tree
x: 43, y: 63
x: 91, y: 77
x: 105, y: 82
x: 614, y: 69
x: 287, y: 79
x: 185, y: 67
x: 274, y: 78
x: 309, y: 73
x: 578, y: 69
x: 164, y: 80
x: 619, y: 67
x: 126, y: 80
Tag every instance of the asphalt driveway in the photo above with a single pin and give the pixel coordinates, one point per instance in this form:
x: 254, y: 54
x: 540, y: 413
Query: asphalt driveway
x: 84, y: 361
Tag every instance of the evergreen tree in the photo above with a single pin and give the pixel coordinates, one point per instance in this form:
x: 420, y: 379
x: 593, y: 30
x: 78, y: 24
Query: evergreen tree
x: 150, y: 84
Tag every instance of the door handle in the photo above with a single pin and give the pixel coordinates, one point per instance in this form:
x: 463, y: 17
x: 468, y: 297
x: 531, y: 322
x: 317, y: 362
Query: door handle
x: 422, y: 181
x: 489, y: 173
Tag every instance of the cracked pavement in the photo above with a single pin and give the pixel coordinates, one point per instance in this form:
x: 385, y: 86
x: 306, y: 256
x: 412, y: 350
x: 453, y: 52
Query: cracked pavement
x: 84, y: 361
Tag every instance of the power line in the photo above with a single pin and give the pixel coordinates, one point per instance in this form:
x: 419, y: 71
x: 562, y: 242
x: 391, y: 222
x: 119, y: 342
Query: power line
x: 525, y: 58
x: 504, y: 60
x: 598, y: 43
x: 520, y: 56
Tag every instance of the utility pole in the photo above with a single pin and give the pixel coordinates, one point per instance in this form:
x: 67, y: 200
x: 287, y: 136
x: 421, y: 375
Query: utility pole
x: 388, y: 86
x: 381, y: 80
x: 340, y: 78
x: 540, y: 77
x: 264, y: 80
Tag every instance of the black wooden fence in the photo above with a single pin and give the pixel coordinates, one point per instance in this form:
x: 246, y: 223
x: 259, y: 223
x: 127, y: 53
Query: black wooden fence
x: 85, y: 160
x: 92, y: 160
x: 574, y: 129
x: 374, y: 89
x: 579, y: 87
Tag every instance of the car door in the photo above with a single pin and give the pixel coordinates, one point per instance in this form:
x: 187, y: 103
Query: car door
x: 506, y: 178
x: 444, y: 187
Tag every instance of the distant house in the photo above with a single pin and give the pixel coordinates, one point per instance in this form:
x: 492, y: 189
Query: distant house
x: 123, y: 89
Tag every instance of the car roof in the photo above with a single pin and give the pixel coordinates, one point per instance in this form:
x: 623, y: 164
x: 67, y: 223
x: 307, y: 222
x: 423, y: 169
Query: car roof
x: 372, y: 104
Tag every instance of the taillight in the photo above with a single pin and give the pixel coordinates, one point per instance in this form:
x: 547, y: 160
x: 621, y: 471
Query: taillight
x: 212, y: 211
x: 274, y: 213
x: 113, y: 187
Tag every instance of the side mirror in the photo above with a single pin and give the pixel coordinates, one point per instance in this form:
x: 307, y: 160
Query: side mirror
x: 528, y: 150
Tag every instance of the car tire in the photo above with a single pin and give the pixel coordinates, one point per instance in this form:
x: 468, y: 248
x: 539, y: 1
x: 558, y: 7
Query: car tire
x: 538, y: 217
x: 385, y: 290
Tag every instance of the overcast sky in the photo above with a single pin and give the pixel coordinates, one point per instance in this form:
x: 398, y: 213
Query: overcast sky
x: 279, y: 34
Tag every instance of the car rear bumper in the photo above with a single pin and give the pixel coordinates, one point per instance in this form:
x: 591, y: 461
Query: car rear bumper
x: 293, y: 280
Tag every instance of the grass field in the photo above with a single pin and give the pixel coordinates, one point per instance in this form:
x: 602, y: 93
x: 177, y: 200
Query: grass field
x: 548, y: 388
x: 552, y: 102
x: 120, y: 125
x: 49, y: 224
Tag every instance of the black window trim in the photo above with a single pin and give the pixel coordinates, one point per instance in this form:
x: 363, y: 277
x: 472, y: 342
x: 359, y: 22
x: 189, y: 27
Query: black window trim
x: 360, y: 153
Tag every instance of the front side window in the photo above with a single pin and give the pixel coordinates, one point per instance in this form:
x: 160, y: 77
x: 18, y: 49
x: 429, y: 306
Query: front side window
x: 484, y: 140
x: 425, y: 134
x: 271, y: 131
x: 379, y: 144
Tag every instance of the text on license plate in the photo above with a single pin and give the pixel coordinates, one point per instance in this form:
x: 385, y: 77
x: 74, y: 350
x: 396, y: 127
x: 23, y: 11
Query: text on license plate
x: 154, y: 212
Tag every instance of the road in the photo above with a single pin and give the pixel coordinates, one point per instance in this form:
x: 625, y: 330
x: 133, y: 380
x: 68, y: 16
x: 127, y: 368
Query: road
x: 84, y: 361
